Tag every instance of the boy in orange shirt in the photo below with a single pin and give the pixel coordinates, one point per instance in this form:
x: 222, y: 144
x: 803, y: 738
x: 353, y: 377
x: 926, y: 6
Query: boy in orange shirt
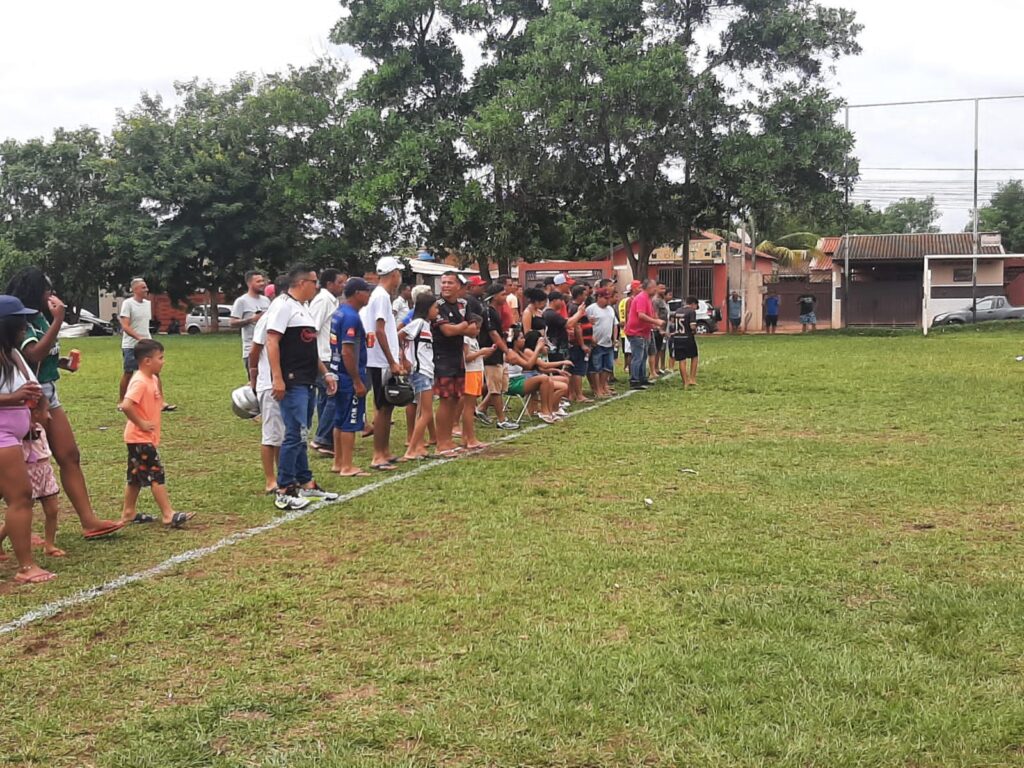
x: 143, y: 403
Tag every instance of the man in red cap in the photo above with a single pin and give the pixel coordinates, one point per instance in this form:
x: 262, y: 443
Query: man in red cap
x: 475, y: 294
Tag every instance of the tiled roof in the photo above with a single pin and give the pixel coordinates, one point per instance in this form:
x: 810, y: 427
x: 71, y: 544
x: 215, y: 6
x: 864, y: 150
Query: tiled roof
x: 911, y: 247
x: 822, y: 263
x: 829, y: 245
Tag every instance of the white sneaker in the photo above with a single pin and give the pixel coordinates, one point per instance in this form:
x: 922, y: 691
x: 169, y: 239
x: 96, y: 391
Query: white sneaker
x: 510, y: 425
x: 290, y: 498
x: 316, y: 492
x: 561, y: 413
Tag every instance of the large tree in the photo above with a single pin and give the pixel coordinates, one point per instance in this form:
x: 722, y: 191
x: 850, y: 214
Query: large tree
x: 53, y: 202
x: 232, y: 178
x: 628, y: 111
x: 1005, y: 214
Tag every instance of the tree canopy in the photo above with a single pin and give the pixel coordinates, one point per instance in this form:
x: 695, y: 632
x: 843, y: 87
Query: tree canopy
x: 1005, y: 214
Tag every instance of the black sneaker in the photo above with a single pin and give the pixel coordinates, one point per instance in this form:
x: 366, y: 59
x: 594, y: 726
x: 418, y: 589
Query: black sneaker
x: 637, y: 385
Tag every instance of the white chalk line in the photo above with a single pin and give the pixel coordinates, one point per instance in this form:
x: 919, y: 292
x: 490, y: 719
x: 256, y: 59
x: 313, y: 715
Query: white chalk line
x: 51, y: 609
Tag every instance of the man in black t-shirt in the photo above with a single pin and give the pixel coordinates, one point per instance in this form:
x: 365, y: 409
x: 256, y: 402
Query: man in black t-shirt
x: 448, y: 330
x: 558, y: 327
x: 494, y: 366
x: 807, y: 316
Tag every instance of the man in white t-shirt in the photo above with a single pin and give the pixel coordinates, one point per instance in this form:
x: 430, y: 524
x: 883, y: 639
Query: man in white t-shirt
x: 271, y: 424
x: 322, y: 307
x: 384, y: 358
x: 402, y: 303
x: 602, y: 355
x: 248, y: 309
x: 136, y: 312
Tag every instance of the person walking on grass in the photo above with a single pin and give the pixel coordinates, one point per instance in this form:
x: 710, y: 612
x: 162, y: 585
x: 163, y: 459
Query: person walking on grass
x: 294, y: 366
x: 418, y: 340
x: 348, y: 363
x: 322, y: 308
x: 639, y: 325
x: 683, y: 341
x: 19, y: 393
x: 807, y: 316
x: 449, y: 328
x: 44, y: 484
x: 41, y: 351
x: 247, y: 311
x: 383, y: 358
x: 142, y: 406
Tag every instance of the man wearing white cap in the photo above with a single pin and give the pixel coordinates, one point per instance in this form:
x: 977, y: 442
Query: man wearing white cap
x: 383, y: 356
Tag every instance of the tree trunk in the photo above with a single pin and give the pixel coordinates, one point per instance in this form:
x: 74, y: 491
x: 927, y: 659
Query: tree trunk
x: 643, y: 258
x: 213, y: 312
x: 686, y: 263
x: 631, y: 258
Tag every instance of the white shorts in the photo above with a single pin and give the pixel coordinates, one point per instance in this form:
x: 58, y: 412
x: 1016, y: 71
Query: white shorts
x: 271, y: 421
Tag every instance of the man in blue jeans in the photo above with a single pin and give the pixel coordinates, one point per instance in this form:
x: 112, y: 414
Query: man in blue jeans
x: 322, y: 308
x: 294, y: 366
x: 641, y: 320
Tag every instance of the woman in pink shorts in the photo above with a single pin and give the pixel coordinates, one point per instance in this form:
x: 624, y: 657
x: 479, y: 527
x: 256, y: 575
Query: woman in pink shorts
x: 19, y: 391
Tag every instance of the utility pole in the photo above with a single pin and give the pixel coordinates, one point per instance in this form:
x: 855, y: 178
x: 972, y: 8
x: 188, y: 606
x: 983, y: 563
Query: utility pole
x: 976, y: 245
x: 846, y: 240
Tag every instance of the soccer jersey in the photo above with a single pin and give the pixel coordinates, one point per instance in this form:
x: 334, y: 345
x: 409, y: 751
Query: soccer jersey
x: 347, y: 328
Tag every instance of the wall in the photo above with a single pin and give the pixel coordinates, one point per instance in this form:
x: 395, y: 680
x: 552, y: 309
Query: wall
x: 990, y: 272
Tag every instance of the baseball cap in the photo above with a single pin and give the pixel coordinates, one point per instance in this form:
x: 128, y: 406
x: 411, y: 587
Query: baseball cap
x: 476, y: 280
x: 388, y: 264
x: 635, y: 285
x: 494, y: 289
x: 356, y: 284
x: 11, y: 305
x: 559, y: 279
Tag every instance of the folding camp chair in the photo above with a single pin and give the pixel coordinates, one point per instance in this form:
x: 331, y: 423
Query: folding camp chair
x: 523, y: 406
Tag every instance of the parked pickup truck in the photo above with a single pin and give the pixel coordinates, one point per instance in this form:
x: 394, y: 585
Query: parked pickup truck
x: 989, y: 308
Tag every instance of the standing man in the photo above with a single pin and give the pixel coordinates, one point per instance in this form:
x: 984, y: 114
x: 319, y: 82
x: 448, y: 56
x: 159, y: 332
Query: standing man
x: 348, y: 361
x: 294, y: 365
x: 807, y: 316
x: 641, y: 321
x: 771, y: 312
x: 602, y: 356
x: 449, y: 328
x: 623, y: 307
x: 735, y: 312
x: 402, y: 305
x: 136, y: 312
x: 321, y: 308
x: 495, y: 372
x: 384, y: 358
x: 475, y: 295
x: 510, y: 313
x: 657, y: 354
x: 247, y: 311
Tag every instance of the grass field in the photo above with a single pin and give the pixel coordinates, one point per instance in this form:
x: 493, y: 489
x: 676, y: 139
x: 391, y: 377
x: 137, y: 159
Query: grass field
x: 841, y: 584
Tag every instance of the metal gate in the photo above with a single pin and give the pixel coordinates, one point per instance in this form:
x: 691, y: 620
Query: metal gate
x: 885, y: 303
x: 702, y: 281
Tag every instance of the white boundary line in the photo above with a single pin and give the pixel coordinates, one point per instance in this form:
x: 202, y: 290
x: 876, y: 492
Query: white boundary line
x: 49, y: 610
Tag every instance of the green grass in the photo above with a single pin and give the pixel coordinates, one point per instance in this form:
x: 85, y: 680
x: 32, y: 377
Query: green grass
x: 841, y: 584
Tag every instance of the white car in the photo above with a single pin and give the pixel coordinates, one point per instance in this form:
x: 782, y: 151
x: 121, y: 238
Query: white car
x: 707, y: 316
x: 198, y: 320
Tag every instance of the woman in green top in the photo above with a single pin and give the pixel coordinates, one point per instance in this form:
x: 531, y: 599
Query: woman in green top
x: 41, y: 350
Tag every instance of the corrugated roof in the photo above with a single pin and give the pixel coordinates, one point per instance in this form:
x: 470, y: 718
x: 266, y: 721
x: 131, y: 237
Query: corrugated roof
x: 912, y: 247
x: 829, y: 245
x: 823, y: 263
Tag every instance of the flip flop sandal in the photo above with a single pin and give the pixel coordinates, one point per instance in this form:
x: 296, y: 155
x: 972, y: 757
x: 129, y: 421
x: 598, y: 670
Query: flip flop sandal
x: 39, y: 578
x: 141, y: 518
x: 385, y: 467
x: 324, y: 451
x: 103, y: 532
x: 271, y: 492
x: 178, y: 519
x: 450, y: 454
x: 356, y: 474
x: 170, y: 408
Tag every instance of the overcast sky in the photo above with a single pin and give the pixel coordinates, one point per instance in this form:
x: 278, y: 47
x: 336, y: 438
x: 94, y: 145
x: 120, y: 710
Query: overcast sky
x: 66, y: 63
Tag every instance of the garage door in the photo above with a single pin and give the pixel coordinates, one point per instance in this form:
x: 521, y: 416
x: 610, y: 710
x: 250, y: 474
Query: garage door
x: 885, y: 303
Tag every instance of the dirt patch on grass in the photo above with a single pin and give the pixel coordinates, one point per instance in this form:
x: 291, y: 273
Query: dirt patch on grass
x: 358, y: 693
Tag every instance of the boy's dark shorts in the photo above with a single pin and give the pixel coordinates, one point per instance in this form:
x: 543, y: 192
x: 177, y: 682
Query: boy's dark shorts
x: 771, y: 321
x: 144, y: 465
x: 734, y: 322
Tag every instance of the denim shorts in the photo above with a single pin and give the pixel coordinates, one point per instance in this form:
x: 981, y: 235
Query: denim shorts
x: 420, y: 383
x: 131, y: 365
x: 602, y: 359
x: 578, y: 358
x: 809, y: 319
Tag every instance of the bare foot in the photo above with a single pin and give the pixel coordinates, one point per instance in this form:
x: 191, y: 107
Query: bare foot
x: 352, y: 472
x: 33, y: 574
